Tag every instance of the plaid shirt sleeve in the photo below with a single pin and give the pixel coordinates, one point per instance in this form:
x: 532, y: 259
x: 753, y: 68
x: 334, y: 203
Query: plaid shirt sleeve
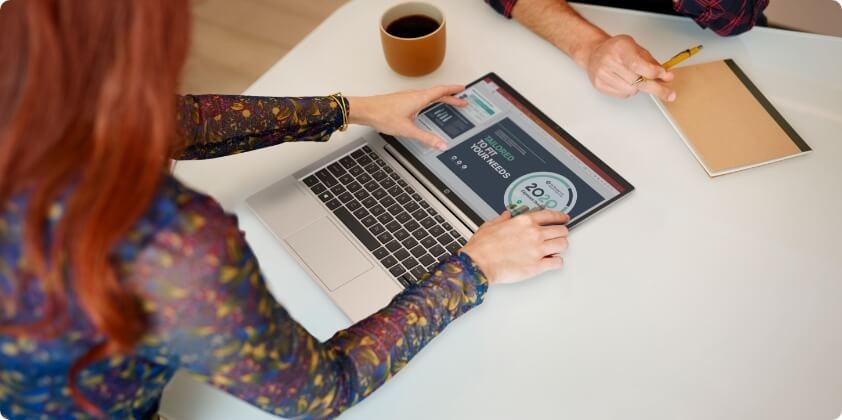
x: 504, y: 7
x: 725, y: 17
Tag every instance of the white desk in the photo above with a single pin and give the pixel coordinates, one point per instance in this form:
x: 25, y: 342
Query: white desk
x: 693, y: 298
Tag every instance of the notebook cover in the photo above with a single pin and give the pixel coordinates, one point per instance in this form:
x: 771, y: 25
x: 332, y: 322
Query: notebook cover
x: 726, y: 121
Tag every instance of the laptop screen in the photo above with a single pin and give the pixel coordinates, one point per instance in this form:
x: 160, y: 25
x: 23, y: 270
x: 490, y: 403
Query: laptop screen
x: 503, y: 151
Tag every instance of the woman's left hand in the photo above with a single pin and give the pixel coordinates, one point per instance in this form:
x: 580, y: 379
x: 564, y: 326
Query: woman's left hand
x: 395, y: 113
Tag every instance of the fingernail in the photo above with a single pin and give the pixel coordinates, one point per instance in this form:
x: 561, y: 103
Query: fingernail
x: 671, y: 97
x: 441, y: 146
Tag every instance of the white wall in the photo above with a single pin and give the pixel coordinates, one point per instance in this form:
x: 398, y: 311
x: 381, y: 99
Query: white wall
x: 818, y: 16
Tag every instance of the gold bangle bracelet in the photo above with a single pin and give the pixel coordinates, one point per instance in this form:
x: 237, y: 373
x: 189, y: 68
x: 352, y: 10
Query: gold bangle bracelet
x: 343, y: 108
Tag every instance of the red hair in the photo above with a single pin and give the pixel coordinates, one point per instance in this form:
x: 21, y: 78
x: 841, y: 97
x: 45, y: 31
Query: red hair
x: 88, y: 108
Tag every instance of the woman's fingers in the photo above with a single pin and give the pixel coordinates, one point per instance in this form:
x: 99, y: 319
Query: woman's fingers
x: 506, y: 215
x: 548, y: 217
x: 552, y: 232
x: 554, y: 246
x: 425, y: 137
x: 437, y: 92
x: 510, y: 249
x: 444, y: 94
x: 452, y: 100
x: 553, y: 262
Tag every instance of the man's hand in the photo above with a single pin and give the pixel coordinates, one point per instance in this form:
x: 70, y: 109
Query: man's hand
x: 614, y: 63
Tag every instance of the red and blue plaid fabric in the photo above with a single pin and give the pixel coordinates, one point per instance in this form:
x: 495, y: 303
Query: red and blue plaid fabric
x: 725, y: 17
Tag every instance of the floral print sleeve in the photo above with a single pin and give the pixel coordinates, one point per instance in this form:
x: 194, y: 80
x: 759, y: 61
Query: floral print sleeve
x: 219, y: 125
x: 213, y: 315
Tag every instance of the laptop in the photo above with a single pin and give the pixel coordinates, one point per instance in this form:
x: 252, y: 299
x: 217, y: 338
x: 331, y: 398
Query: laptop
x: 368, y: 220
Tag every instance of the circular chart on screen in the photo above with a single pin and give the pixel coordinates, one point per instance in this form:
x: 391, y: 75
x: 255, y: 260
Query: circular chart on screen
x: 547, y: 189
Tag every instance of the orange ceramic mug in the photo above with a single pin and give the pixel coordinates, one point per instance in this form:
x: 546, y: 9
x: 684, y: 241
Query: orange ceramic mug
x: 413, y: 37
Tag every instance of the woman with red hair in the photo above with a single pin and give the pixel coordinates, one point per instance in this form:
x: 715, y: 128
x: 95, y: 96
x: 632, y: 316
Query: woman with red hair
x: 113, y: 274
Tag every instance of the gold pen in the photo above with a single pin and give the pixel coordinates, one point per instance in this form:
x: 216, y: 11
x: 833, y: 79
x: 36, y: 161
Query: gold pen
x: 672, y: 62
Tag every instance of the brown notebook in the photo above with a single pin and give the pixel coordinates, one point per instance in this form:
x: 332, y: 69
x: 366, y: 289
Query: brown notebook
x: 726, y: 121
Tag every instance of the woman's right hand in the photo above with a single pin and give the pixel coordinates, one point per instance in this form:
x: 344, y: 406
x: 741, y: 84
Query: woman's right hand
x: 511, y: 249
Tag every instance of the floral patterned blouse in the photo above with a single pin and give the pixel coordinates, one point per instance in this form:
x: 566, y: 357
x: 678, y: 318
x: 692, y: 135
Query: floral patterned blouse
x: 210, y: 311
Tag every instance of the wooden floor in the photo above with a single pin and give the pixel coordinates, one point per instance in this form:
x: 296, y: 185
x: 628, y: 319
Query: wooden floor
x: 235, y: 41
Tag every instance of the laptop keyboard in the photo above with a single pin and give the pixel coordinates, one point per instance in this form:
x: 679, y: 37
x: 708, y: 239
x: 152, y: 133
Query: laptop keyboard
x: 387, y: 215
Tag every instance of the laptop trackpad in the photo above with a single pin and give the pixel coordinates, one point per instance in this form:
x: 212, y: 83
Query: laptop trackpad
x: 328, y: 253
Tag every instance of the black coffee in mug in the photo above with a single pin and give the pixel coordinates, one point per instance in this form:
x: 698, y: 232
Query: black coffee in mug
x: 412, y: 26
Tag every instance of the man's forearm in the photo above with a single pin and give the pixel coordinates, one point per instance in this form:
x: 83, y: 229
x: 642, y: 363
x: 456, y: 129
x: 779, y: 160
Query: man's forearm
x: 558, y: 23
